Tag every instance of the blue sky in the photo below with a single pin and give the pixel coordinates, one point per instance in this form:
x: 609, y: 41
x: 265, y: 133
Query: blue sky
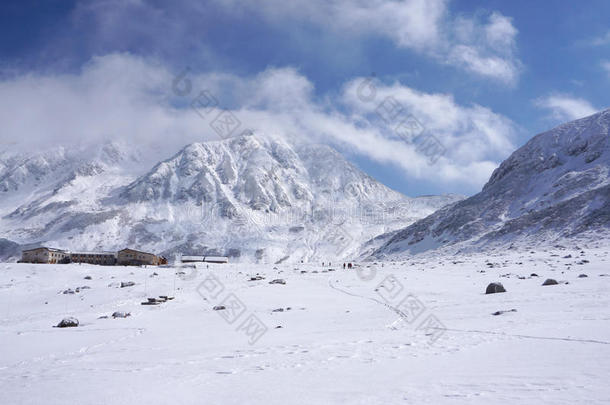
x: 482, y: 77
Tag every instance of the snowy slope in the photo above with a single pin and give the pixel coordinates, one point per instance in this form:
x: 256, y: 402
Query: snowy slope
x: 554, y: 187
x: 9, y: 250
x: 250, y: 197
x: 51, y: 192
x: 20, y: 171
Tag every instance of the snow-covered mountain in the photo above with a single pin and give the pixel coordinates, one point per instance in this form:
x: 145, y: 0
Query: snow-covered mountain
x: 554, y: 187
x: 251, y: 197
x: 59, y: 165
x: 50, y: 192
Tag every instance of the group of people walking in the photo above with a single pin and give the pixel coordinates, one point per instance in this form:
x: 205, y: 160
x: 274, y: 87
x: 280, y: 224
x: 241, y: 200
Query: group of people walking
x: 348, y: 265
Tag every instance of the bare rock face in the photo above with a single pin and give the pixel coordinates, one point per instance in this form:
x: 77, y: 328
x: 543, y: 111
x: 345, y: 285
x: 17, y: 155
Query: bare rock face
x: 68, y: 323
x: 495, y: 288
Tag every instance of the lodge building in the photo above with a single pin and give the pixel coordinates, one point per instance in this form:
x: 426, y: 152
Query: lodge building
x: 131, y: 257
x: 103, y: 258
x: 44, y: 255
x: 125, y: 257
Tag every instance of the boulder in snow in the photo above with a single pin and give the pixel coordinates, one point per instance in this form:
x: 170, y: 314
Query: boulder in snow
x: 68, y: 323
x: 119, y: 314
x: 495, y: 288
x: 503, y: 312
x: 127, y: 284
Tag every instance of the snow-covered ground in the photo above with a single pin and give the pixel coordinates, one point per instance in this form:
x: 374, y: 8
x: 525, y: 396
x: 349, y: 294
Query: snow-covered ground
x: 341, y: 341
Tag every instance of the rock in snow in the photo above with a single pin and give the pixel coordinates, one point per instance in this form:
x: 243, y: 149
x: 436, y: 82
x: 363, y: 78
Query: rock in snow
x: 119, y: 314
x: 495, y: 288
x: 127, y: 284
x: 550, y: 281
x: 503, y: 312
x: 68, y: 323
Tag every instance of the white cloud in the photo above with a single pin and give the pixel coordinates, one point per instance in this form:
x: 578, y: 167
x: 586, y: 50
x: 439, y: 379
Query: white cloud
x: 122, y: 96
x: 483, y: 44
x: 606, y: 67
x: 500, y: 32
x: 564, y: 107
x: 473, y: 136
x: 471, y: 59
x: 485, y: 47
x: 601, y: 41
x: 410, y: 23
x: 115, y: 96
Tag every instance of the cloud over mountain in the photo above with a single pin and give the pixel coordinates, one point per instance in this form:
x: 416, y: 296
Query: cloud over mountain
x: 121, y: 96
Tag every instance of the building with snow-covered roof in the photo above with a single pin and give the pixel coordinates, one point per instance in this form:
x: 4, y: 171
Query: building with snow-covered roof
x: 204, y: 259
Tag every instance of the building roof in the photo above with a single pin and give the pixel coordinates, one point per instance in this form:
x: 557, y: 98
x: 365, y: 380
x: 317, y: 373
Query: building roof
x: 193, y: 258
x: 137, y: 251
x: 46, y: 248
x: 94, y: 253
x: 216, y: 259
x: 204, y: 259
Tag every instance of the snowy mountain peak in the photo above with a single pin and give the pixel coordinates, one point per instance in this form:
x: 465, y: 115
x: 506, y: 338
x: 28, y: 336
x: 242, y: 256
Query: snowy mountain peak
x: 263, y: 174
x: 579, y: 143
x: 252, y: 196
x: 41, y: 168
x: 555, y: 186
